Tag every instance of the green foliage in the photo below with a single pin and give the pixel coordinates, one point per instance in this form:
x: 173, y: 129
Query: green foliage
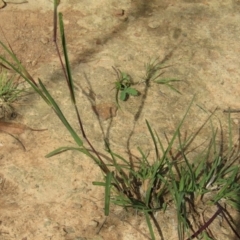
x: 10, y: 92
x: 123, y: 86
x: 9, y: 88
x: 150, y: 184
x: 154, y: 72
x: 209, y: 173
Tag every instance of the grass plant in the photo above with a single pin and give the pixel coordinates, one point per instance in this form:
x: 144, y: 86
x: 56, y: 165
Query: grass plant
x: 152, y: 184
x: 153, y: 73
x: 10, y: 92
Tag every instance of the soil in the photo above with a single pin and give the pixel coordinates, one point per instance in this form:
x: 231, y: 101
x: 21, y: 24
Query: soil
x: 54, y: 198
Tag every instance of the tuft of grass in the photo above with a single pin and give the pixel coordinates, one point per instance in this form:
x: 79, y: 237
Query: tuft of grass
x: 10, y: 92
x: 210, y: 178
x: 153, y: 72
x: 152, y: 183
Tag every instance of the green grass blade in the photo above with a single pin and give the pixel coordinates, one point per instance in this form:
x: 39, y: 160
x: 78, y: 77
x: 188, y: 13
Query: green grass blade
x: 144, y: 159
x: 160, y: 143
x: 119, y: 167
x: 102, y: 184
x: 56, y: 3
x: 167, y: 81
x: 154, y: 140
x: 64, y: 45
x: 82, y: 150
x: 149, y: 225
x: 60, y: 115
x: 107, y: 193
x: 61, y: 150
x: 230, y: 144
x: 177, y: 129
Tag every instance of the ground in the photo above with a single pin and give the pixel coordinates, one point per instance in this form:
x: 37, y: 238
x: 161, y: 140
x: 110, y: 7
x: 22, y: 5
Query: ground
x: 53, y: 198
